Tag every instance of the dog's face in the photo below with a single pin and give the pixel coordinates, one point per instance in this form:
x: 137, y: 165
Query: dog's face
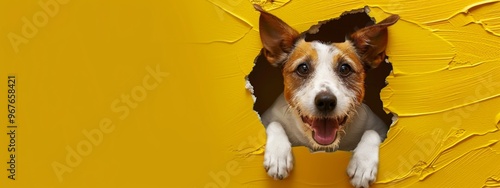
x: 323, y: 83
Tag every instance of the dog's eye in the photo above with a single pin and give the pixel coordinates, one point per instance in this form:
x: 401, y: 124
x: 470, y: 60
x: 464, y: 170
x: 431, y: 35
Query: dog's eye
x: 303, y: 69
x: 345, y: 69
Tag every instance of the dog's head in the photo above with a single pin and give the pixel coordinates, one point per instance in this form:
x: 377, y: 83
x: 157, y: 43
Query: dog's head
x: 323, y: 83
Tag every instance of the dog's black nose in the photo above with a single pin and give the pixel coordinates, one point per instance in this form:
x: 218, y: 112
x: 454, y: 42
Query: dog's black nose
x: 325, y: 102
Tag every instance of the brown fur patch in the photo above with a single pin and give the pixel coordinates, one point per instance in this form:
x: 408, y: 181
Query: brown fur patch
x: 355, y: 80
x: 302, y: 53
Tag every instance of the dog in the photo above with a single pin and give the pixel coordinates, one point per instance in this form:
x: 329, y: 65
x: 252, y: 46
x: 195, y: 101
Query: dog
x: 321, y: 105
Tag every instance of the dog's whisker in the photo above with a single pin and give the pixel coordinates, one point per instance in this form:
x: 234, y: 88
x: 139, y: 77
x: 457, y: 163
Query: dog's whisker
x: 287, y: 110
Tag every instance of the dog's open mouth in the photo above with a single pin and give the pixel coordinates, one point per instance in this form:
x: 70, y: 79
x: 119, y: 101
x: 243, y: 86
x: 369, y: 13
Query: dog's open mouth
x: 324, y: 130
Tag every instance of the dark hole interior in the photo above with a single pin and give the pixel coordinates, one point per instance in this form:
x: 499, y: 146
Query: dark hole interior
x: 268, y: 80
x: 335, y: 30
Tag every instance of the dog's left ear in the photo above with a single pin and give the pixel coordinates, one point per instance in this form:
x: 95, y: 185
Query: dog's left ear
x: 371, y: 41
x: 277, y: 37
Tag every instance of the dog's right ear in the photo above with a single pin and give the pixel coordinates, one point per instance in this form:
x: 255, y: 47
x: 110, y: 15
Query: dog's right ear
x: 371, y: 41
x: 277, y: 37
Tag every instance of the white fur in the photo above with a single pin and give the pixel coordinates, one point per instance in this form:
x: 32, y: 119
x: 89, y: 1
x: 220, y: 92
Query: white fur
x: 364, y: 162
x: 278, y: 159
x: 324, y: 78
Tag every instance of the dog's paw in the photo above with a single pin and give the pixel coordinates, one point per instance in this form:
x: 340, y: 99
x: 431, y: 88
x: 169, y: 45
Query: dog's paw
x: 362, y: 169
x: 278, y: 159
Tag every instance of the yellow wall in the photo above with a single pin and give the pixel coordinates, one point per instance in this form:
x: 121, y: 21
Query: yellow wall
x: 160, y: 89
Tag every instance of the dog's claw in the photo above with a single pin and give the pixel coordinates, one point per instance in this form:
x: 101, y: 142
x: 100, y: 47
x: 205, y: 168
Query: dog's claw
x: 280, y: 177
x: 278, y: 164
x: 278, y: 160
x: 362, y: 170
x: 350, y: 176
x: 363, y: 166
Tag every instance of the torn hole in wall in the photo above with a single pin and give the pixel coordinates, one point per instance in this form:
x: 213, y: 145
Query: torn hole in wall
x: 265, y: 81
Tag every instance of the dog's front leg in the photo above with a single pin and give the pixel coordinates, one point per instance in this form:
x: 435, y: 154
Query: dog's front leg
x: 278, y: 159
x: 363, y: 166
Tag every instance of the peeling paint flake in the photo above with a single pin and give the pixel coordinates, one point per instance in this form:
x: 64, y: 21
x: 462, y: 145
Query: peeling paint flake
x: 428, y: 11
x: 488, y: 17
x: 419, y: 51
x: 270, y: 4
x: 493, y: 181
x: 207, y: 22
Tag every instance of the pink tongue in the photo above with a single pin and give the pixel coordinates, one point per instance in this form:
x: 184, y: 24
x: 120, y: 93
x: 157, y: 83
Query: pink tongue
x: 325, y: 130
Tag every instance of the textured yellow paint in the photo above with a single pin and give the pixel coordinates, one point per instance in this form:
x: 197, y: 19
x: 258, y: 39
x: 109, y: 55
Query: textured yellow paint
x: 198, y: 129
